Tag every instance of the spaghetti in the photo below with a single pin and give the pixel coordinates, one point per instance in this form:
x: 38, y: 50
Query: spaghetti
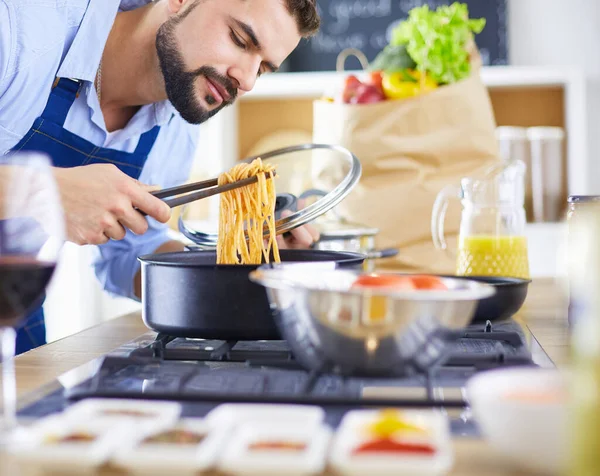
x: 243, y: 214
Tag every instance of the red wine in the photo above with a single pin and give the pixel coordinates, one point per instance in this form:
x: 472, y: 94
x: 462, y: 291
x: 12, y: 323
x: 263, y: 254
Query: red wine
x: 23, y: 281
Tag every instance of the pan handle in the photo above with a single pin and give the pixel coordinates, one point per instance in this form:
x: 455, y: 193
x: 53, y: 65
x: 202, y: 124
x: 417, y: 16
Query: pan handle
x: 385, y: 253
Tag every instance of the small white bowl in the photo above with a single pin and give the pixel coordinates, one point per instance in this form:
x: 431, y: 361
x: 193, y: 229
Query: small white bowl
x: 522, y: 412
x: 43, y: 444
x: 239, y: 459
x: 164, y: 458
x: 141, y: 413
x: 351, y: 433
x: 231, y: 414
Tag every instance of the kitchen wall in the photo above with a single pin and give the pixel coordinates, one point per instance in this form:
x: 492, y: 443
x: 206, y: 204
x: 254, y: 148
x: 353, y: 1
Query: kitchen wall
x: 542, y: 32
x: 562, y: 33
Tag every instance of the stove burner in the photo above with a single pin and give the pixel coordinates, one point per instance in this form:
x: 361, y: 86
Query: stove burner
x: 196, y: 370
x: 481, y: 349
x: 253, y: 353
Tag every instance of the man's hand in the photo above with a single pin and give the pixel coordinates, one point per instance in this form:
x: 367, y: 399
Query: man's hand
x: 99, y: 203
x: 299, y: 238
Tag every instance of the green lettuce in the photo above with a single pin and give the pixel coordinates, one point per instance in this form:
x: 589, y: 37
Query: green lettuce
x: 437, y: 40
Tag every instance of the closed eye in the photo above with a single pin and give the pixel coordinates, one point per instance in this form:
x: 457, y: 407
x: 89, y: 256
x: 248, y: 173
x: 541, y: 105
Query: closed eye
x: 238, y: 41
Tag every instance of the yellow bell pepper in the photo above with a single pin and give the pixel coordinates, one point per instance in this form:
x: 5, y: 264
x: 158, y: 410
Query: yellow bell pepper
x: 396, y: 86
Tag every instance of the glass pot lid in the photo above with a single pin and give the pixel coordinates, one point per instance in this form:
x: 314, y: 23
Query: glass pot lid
x: 311, y: 180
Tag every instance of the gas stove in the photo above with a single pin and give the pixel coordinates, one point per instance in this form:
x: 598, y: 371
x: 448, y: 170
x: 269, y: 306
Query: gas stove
x: 203, y: 373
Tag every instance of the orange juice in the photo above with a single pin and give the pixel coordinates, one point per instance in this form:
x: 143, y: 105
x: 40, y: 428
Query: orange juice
x: 482, y: 255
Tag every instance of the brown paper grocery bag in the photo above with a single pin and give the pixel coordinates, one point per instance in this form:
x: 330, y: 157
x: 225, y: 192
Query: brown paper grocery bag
x: 409, y: 149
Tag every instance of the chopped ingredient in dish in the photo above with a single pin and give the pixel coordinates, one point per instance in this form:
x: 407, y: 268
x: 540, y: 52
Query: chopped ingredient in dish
x: 399, y: 282
x: 391, y: 422
x: 387, y: 445
x: 277, y: 445
x: 178, y: 437
x: 123, y: 412
x: 384, y: 280
x: 71, y: 438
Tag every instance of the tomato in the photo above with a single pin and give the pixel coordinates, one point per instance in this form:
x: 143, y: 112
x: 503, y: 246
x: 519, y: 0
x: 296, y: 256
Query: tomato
x: 376, y: 78
x: 356, y: 92
x: 351, y: 84
x: 429, y: 282
x: 367, y: 94
x: 397, y: 282
x: 384, y: 280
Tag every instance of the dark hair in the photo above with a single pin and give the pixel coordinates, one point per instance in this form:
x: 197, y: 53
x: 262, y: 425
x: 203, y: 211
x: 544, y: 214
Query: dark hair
x: 306, y: 15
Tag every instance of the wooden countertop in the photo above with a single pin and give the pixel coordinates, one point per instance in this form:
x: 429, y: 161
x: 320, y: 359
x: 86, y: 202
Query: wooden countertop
x: 544, y: 312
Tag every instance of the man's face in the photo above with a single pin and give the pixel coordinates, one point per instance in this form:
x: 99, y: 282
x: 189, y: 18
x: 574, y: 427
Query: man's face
x: 212, y: 51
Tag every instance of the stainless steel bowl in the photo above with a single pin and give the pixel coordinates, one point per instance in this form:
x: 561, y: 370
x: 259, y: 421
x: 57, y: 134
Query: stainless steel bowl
x: 333, y: 327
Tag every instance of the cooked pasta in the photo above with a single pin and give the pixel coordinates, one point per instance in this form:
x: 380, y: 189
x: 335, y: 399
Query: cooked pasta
x: 243, y: 214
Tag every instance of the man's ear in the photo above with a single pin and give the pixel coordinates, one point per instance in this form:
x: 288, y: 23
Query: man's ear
x: 175, y: 6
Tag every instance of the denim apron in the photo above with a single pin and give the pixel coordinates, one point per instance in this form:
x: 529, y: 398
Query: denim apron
x: 70, y: 150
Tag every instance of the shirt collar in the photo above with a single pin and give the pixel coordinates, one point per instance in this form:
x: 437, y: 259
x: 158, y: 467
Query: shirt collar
x: 163, y: 111
x: 83, y: 57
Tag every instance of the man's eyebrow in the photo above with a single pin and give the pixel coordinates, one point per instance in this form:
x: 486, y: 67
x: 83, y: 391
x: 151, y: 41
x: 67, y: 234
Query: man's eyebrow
x: 250, y: 32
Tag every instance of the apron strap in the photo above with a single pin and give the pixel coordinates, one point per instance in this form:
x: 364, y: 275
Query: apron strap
x: 146, y: 141
x: 63, y: 94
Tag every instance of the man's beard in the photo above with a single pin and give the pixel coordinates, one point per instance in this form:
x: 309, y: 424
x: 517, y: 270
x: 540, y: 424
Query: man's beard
x: 179, y: 83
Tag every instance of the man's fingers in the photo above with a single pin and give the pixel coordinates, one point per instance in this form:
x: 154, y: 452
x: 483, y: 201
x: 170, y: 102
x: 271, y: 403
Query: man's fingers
x: 115, y: 231
x: 300, y: 238
x: 151, y: 205
x: 314, y: 233
x: 135, y: 221
x: 149, y: 188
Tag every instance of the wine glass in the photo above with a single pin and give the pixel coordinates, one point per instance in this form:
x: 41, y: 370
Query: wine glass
x: 32, y: 233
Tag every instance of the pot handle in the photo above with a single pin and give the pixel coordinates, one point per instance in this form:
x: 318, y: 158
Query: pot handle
x: 438, y: 216
x: 385, y: 253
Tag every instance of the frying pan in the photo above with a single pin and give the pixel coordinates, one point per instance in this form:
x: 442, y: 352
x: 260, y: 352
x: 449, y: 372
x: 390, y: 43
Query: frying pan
x: 505, y: 303
x: 186, y: 294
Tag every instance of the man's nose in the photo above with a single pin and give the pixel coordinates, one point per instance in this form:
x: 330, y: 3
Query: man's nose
x: 245, y: 75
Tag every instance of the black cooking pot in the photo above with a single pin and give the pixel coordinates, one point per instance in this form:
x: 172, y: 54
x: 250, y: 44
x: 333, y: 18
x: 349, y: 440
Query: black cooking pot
x: 186, y: 294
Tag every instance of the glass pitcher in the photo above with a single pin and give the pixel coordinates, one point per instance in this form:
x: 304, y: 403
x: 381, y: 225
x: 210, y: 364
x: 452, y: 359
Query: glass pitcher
x: 492, y: 238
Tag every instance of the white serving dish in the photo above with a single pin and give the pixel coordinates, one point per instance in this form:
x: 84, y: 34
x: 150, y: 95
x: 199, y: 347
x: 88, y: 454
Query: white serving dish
x: 166, y: 458
x: 239, y: 459
x: 142, y: 413
x: 34, y: 446
x: 532, y: 433
x: 228, y: 414
x: 352, y: 433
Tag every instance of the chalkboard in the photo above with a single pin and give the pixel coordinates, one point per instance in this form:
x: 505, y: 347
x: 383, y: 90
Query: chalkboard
x: 367, y: 25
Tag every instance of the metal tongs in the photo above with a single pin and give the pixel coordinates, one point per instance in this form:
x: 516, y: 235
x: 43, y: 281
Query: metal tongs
x: 207, y: 188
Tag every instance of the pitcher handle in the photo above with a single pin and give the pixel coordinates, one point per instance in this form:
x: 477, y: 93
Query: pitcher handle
x: 438, y: 215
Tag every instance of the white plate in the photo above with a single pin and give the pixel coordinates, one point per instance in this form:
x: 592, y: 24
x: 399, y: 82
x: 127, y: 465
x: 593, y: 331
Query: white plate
x: 353, y: 432
x: 228, y: 414
x: 165, y: 458
x: 35, y: 445
x: 144, y: 413
x: 531, y: 432
x: 239, y: 459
